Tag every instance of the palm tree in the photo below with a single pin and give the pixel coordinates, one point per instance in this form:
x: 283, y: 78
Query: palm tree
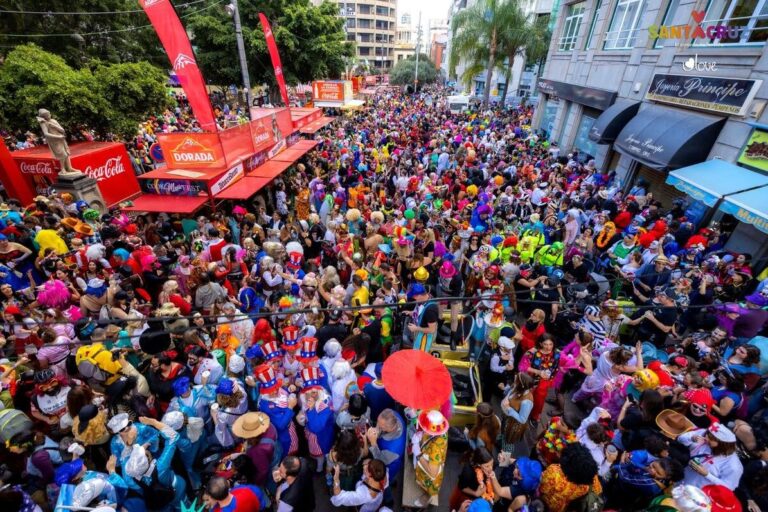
x: 476, y: 33
x: 538, y: 42
x: 513, y: 39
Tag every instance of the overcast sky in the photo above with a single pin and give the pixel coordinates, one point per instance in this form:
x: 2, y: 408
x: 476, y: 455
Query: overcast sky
x: 430, y: 9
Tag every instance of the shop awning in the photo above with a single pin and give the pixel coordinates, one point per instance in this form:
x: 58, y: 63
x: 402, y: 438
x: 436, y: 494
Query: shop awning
x: 750, y: 207
x: 667, y: 139
x: 709, y: 181
x: 353, y: 105
x: 244, y: 188
x: 296, y: 151
x: 269, y: 169
x: 607, y: 127
x: 305, y: 144
x: 168, y: 204
x: 317, y: 124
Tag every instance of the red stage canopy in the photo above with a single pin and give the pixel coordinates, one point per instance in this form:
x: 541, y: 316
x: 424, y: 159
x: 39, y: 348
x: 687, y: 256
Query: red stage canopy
x: 244, y: 188
x: 168, y: 204
x: 270, y: 169
x: 305, y: 144
x: 314, y: 126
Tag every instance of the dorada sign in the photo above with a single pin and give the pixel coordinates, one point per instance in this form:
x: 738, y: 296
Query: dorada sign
x: 731, y: 96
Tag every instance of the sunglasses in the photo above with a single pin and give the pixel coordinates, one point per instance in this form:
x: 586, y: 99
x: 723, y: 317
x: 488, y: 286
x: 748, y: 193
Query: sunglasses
x: 125, y: 428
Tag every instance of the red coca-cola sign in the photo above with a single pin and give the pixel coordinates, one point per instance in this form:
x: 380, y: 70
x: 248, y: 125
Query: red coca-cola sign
x: 107, y: 162
x: 109, y: 169
x: 37, y: 167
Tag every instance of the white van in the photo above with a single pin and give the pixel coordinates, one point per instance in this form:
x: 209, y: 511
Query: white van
x: 458, y: 104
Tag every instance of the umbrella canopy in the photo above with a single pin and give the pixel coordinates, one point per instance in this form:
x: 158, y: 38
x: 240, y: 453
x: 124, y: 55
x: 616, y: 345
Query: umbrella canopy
x: 416, y: 379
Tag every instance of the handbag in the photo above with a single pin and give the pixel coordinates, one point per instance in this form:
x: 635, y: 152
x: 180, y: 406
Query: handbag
x: 590, y: 502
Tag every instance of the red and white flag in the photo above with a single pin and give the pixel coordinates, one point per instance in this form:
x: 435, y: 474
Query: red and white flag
x: 174, y: 38
x: 275, y: 56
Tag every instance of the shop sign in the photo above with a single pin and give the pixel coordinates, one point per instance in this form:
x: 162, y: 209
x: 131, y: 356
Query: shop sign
x: 276, y: 149
x: 731, y: 96
x: 589, y: 96
x: 112, y: 170
x: 38, y: 167
x: 255, y: 161
x: 646, y: 148
x: 192, y: 150
x: 755, y: 152
x: 293, y: 138
x: 174, y: 187
x: 328, y: 91
x: 229, y: 178
x: 746, y: 216
x: 265, y: 132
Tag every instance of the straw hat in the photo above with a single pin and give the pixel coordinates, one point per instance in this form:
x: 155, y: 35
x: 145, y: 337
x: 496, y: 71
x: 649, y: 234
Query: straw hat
x: 168, y: 309
x: 672, y: 423
x: 250, y: 425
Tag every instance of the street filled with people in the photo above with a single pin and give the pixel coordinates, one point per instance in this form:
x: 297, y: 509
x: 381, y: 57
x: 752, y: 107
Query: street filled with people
x: 288, y: 353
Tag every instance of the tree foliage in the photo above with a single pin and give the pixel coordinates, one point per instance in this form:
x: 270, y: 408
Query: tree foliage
x: 311, y: 40
x: 124, y: 37
x: 110, y: 98
x: 403, y: 73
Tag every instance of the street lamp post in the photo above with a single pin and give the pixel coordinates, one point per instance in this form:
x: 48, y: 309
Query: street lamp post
x: 235, y: 13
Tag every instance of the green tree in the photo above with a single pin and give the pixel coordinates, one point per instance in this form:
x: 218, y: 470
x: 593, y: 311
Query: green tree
x: 311, y: 40
x: 118, y: 37
x: 403, y: 72
x: 111, y: 98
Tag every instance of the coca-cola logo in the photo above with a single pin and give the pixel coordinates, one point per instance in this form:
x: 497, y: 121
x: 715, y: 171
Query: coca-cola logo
x: 36, y: 167
x: 112, y: 167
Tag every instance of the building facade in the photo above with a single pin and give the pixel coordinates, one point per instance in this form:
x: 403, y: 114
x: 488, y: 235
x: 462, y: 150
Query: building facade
x: 651, y: 89
x: 371, y: 25
x: 405, y: 37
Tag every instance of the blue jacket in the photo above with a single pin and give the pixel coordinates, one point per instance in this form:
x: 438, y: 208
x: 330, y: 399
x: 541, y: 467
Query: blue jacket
x: 281, y: 418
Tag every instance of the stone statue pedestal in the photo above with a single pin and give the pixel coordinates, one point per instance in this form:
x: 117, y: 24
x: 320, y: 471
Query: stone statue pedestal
x: 83, y: 188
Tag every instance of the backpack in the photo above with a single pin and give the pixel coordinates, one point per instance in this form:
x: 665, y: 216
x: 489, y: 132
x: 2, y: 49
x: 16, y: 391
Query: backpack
x: 96, y: 362
x: 12, y: 422
x: 590, y: 502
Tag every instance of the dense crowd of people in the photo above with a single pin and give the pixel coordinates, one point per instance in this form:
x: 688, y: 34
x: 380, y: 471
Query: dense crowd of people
x: 234, y: 361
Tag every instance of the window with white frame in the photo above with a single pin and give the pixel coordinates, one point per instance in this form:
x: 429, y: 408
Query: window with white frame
x: 622, y: 31
x: 571, y: 27
x: 747, y: 22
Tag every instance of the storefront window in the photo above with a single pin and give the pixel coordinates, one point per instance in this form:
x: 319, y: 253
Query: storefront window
x: 582, y: 140
x: 550, y: 112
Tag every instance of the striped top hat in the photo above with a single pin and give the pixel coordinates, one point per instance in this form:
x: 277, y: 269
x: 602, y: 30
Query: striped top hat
x: 290, y: 338
x: 311, y: 378
x: 308, y: 349
x: 268, y: 380
x: 271, y: 351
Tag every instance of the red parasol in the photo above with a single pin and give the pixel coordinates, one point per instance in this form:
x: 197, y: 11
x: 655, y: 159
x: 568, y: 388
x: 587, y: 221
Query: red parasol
x: 416, y: 379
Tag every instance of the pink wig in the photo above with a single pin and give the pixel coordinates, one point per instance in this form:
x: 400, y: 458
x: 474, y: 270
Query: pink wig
x: 148, y: 262
x: 55, y: 294
x: 73, y: 314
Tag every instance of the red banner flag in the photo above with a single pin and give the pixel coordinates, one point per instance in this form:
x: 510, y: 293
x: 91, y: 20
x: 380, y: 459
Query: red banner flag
x: 171, y: 32
x: 275, y: 56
